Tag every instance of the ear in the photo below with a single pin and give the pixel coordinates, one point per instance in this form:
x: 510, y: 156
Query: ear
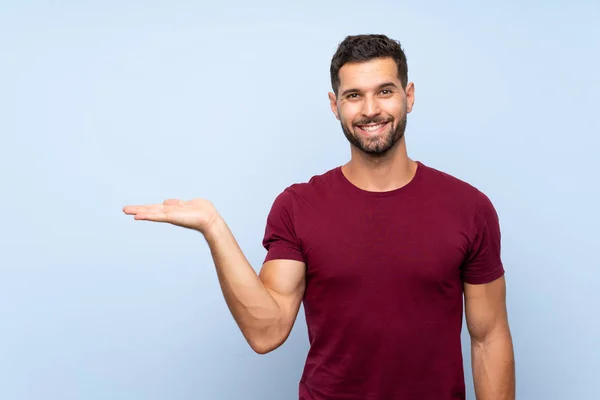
x: 410, y: 96
x: 333, y: 105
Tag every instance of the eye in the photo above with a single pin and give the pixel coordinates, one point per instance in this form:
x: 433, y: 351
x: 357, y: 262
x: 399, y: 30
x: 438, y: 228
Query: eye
x: 386, y: 91
x: 352, y: 95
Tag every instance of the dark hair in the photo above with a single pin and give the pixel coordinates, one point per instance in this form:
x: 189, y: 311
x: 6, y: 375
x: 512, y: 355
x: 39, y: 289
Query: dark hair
x: 359, y: 48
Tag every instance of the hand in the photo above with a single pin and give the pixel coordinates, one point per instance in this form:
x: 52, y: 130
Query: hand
x: 197, y: 214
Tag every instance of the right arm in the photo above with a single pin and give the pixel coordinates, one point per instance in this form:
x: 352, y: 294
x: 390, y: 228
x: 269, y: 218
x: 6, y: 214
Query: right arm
x: 264, y: 306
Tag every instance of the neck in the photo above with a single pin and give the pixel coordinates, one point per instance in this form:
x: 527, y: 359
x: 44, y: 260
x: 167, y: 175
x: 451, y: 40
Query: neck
x: 380, y: 173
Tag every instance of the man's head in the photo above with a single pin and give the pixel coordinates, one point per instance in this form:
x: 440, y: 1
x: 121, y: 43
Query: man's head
x: 371, y: 94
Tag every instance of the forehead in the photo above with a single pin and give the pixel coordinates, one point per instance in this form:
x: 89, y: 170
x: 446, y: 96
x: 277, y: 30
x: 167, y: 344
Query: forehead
x: 368, y: 73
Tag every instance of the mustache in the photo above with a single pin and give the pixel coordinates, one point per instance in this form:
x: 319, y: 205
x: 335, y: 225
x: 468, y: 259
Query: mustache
x: 373, y: 121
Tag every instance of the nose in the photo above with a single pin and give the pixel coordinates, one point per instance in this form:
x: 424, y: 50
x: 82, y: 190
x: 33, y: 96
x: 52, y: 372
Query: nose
x: 370, y: 107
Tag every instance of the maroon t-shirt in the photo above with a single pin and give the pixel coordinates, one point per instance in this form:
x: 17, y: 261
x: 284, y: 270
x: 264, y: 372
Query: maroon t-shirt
x: 385, y: 274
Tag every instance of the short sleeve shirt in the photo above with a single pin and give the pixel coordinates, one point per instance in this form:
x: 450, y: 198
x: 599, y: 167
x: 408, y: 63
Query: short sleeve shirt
x: 384, y: 280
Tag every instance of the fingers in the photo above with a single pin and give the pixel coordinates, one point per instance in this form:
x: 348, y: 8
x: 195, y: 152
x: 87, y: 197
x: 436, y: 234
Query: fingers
x: 155, y: 212
x: 172, y: 202
x: 132, y: 210
x: 152, y: 212
x: 152, y: 216
x: 151, y: 207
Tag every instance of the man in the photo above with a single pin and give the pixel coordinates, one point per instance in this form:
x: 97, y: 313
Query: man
x: 380, y: 251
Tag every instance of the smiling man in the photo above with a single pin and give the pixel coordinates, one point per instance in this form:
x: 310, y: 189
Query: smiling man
x: 381, y: 251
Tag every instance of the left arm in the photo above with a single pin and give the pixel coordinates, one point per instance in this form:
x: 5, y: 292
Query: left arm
x: 492, y: 354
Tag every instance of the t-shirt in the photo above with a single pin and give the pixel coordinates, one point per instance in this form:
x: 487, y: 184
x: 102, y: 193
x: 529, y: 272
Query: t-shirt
x: 384, y: 281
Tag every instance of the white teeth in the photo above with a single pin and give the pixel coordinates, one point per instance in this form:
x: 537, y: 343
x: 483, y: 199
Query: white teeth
x: 370, y: 128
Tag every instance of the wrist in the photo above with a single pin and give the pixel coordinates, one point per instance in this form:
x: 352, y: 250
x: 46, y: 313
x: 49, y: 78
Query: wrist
x: 215, y: 228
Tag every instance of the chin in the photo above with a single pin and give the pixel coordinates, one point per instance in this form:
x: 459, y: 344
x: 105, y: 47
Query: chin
x: 379, y: 146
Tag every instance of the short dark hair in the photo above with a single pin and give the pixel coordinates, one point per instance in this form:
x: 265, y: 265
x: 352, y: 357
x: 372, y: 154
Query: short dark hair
x: 359, y: 48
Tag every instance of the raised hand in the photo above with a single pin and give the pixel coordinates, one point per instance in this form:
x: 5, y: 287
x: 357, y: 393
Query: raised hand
x: 198, y: 214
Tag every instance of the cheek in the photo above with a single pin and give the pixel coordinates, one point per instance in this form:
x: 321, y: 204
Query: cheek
x: 347, y: 115
x: 393, y: 106
x: 399, y: 109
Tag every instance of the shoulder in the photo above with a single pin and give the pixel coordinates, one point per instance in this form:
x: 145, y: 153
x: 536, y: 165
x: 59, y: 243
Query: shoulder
x: 312, y: 190
x: 459, y: 197
x: 312, y: 187
x: 449, y: 186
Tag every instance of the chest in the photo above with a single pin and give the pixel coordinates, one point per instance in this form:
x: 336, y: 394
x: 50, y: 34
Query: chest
x: 378, y: 247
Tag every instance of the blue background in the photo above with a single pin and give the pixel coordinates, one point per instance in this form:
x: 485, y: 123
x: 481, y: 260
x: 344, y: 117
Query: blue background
x: 105, y: 104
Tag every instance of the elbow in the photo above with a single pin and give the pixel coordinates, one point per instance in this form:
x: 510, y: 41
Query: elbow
x: 485, y: 337
x: 266, y: 341
x: 478, y: 337
x: 261, y: 350
x: 266, y: 335
x: 263, y: 347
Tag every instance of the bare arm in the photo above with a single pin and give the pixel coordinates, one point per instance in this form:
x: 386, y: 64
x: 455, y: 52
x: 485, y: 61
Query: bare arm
x: 491, y: 343
x: 264, y: 307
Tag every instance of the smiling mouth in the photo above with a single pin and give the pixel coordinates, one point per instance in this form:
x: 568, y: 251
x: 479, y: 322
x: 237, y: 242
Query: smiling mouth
x: 372, y: 129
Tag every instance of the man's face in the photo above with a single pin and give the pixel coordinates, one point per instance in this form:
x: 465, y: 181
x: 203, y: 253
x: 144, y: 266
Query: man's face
x: 371, y: 105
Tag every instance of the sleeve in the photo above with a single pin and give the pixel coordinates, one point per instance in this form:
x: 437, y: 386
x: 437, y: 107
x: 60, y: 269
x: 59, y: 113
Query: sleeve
x: 280, y: 239
x: 483, y: 263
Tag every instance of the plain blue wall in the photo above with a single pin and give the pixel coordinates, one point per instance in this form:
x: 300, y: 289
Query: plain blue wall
x: 111, y: 103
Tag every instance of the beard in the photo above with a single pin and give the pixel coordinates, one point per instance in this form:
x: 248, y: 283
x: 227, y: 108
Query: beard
x: 379, y: 145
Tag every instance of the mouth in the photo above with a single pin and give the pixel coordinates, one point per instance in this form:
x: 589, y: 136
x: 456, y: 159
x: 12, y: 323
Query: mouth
x: 372, y: 129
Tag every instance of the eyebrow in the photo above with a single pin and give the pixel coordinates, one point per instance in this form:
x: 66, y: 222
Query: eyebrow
x: 383, y: 85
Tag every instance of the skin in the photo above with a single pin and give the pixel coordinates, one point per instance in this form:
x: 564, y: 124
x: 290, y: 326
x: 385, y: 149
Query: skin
x: 372, y: 92
x: 265, y: 305
x: 492, y: 354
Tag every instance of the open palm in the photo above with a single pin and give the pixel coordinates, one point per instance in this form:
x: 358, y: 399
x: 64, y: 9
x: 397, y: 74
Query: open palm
x: 196, y: 214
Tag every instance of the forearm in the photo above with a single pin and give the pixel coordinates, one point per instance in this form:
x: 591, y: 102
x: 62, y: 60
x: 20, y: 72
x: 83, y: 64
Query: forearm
x: 255, y: 311
x: 494, y: 367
